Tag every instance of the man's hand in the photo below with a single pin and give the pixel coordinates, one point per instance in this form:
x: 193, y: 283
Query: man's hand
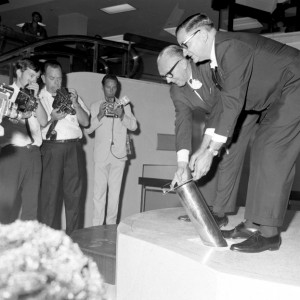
x: 73, y: 97
x: 33, y: 86
x: 182, y: 174
x: 101, y: 112
x: 119, y: 111
x: 26, y: 115
x: 200, y: 163
x: 56, y: 116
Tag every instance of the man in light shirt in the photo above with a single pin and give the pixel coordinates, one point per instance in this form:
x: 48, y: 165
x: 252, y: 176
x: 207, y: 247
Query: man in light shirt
x: 110, y: 120
x: 20, y: 158
x: 62, y: 153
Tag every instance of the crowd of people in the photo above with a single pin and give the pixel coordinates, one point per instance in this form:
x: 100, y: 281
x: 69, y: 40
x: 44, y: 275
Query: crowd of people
x: 41, y: 159
x: 247, y: 85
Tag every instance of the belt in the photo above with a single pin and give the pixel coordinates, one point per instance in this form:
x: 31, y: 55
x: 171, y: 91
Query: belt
x: 22, y: 147
x: 62, y: 141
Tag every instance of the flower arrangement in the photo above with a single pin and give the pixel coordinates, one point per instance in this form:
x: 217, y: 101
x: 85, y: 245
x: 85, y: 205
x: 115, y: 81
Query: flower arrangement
x: 40, y: 263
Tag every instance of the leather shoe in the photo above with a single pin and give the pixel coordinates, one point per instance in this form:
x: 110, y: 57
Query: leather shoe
x: 257, y: 243
x: 221, y: 221
x: 240, y: 231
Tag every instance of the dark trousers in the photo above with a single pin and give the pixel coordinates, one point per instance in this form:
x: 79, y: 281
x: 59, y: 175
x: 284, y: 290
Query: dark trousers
x: 273, y: 156
x: 221, y: 190
x: 61, y: 183
x: 20, y: 175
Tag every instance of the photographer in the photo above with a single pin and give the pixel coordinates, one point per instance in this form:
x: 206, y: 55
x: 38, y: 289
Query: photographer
x: 62, y: 153
x: 20, y: 158
x: 110, y: 119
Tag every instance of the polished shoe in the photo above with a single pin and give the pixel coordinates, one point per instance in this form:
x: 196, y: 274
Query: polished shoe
x: 240, y: 231
x: 221, y: 221
x: 257, y: 243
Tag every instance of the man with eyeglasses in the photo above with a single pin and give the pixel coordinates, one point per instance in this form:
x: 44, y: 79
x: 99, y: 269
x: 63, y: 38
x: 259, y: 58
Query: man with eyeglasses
x: 192, y: 90
x: 256, y: 74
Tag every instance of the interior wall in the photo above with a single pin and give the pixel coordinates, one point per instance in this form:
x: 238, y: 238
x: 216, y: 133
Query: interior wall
x: 155, y: 114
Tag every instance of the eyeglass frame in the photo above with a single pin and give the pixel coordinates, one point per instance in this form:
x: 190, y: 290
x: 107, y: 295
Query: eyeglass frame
x: 169, y: 74
x: 183, y: 44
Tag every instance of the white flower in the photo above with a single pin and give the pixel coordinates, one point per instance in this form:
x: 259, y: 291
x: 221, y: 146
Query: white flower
x: 195, y: 84
x: 39, y: 262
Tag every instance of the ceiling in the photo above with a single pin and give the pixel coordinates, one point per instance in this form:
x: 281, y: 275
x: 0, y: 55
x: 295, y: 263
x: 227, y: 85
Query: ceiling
x: 149, y: 19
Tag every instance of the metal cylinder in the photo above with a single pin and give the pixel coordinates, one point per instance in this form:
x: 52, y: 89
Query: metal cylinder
x: 200, y: 215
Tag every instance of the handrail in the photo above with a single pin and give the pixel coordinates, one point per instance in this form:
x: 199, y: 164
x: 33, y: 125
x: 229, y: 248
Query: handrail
x: 29, y: 50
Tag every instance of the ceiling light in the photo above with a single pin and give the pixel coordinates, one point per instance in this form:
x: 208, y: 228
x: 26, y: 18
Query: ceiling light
x: 118, y: 8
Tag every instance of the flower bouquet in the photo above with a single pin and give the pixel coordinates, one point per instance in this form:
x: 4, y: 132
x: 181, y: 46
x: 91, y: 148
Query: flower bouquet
x: 40, y: 263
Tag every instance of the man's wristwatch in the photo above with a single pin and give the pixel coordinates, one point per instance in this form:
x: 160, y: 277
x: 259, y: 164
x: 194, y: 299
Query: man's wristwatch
x: 212, y: 151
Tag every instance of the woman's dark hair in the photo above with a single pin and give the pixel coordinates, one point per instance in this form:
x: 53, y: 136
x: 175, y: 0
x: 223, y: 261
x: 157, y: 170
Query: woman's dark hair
x: 28, y: 63
x: 37, y: 13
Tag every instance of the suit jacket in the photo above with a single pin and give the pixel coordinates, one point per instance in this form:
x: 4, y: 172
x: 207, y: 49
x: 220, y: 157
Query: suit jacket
x: 256, y: 72
x: 186, y: 100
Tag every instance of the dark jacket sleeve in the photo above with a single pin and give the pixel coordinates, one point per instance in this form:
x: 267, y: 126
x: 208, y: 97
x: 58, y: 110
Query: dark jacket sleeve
x: 235, y: 60
x: 183, y: 120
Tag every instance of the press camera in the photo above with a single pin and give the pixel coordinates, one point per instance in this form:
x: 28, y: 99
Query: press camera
x: 110, y: 107
x: 63, y: 102
x: 26, y: 101
x: 6, y: 106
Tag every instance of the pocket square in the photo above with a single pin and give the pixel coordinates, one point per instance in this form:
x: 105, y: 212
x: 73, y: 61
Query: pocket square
x: 195, y: 84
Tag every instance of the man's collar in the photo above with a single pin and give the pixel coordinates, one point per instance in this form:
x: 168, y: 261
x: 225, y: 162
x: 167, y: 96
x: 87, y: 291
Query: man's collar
x: 213, y: 58
x: 44, y: 90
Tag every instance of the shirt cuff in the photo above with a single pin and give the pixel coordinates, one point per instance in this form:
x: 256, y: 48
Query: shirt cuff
x: 219, y: 138
x: 210, y: 131
x: 183, y: 155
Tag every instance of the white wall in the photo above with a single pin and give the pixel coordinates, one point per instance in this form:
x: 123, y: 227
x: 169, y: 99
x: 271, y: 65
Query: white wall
x: 154, y: 111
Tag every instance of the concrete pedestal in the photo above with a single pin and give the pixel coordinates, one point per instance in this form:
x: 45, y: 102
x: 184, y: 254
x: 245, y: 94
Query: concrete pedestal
x: 161, y: 258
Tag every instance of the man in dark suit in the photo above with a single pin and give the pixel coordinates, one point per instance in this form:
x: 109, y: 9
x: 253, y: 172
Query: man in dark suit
x: 258, y: 74
x: 192, y: 89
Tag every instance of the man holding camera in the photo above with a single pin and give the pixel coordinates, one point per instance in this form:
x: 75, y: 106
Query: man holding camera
x: 62, y: 153
x: 110, y: 119
x: 20, y: 158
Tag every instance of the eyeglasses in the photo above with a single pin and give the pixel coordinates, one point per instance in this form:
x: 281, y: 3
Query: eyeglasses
x: 184, y: 44
x: 169, y: 74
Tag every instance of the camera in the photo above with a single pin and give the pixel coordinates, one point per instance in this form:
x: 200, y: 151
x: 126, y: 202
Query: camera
x: 110, y: 107
x: 26, y: 101
x: 6, y: 106
x: 109, y: 110
x: 63, y: 102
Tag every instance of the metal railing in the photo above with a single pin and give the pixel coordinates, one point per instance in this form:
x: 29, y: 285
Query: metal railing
x: 78, y: 53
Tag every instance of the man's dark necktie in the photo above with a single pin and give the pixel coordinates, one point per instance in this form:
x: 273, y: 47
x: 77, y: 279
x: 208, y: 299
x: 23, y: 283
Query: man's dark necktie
x: 28, y: 130
x: 216, y: 78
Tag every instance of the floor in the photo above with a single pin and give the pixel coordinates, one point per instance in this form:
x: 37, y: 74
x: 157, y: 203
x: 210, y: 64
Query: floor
x: 156, y: 251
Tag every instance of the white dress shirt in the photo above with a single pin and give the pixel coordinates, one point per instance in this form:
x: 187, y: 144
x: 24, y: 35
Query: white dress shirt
x: 68, y: 127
